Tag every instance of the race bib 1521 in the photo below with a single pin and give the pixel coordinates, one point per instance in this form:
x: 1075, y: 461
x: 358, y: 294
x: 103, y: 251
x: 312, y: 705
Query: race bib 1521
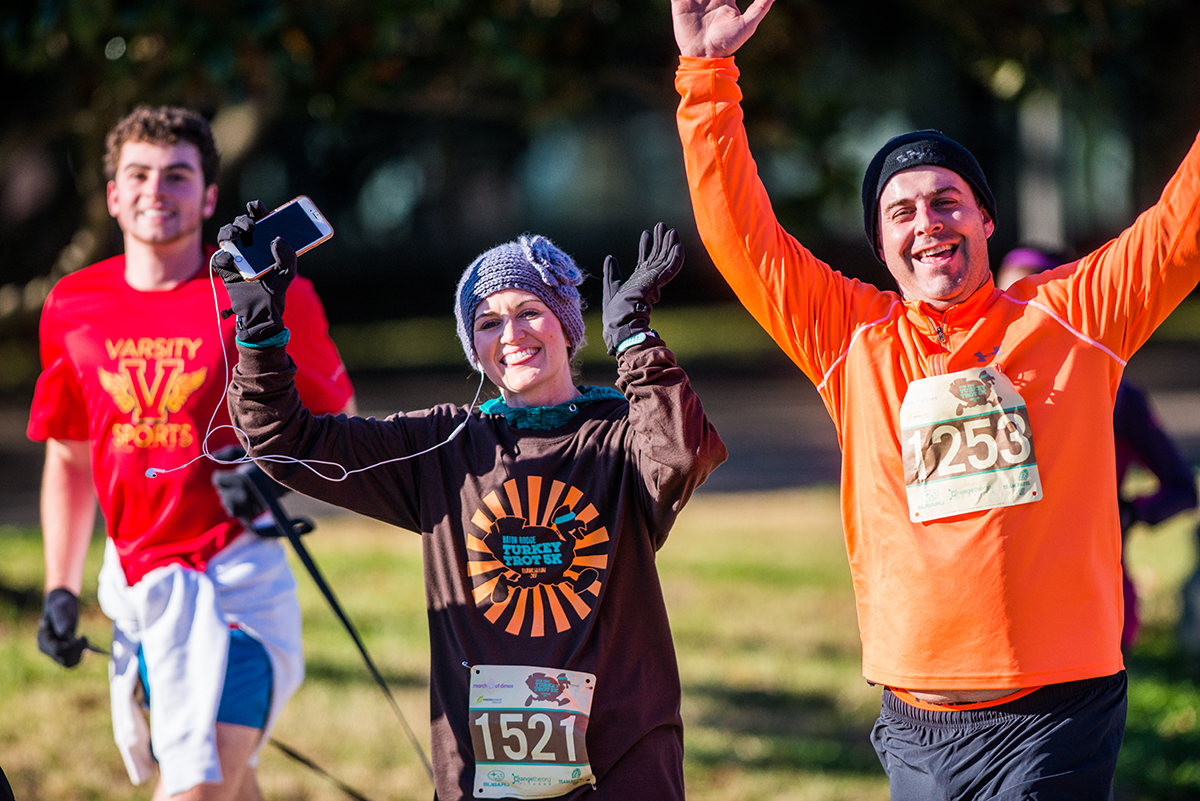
x: 529, y: 729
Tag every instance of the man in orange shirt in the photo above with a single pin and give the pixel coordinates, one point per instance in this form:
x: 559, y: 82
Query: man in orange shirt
x: 978, y: 475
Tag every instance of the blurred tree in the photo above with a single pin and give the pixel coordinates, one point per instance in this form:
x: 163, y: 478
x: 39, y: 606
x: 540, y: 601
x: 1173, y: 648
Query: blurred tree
x: 72, y: 67
x: 460, y: 85
x: 830, y: 81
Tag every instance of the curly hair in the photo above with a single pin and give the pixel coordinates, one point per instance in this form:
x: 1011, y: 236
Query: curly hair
x: 165, y: 125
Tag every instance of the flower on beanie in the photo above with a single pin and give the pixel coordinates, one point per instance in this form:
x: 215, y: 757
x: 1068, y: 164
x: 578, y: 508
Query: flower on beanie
x: 531, y: 263
x: 555, y: 268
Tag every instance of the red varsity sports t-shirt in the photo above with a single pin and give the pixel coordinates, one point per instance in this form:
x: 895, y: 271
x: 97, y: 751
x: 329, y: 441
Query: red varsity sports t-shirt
x: 142, y: 376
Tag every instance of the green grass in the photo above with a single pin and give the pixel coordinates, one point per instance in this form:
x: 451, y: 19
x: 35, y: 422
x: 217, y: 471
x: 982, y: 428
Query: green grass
x: 1161, y: 755
x: 774, y: 704
x: 764, y: 626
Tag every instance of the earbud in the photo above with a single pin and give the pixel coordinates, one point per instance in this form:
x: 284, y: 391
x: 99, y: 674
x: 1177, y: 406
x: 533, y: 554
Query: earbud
x: 151, y: 473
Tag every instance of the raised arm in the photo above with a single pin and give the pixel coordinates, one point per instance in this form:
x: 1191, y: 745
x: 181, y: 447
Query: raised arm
x: 809, y: 310
x: 671, y: 439
x: 1139, y: 278
x: 266, y: 404
x: 714, y: 28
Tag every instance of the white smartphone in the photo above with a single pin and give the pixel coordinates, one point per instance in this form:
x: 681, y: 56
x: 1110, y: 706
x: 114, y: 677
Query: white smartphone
x: 300, y: 224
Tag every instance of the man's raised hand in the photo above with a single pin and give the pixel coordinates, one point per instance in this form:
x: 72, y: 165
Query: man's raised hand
x: 714, y: 28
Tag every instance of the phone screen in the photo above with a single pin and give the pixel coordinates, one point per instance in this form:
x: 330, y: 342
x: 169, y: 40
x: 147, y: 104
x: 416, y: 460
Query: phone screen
x: 291, y: 222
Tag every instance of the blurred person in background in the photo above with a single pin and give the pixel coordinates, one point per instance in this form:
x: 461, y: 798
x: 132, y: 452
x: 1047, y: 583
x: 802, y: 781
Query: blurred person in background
x: 1140, y: 439
x: 979, y: 473
x: 206, y: 623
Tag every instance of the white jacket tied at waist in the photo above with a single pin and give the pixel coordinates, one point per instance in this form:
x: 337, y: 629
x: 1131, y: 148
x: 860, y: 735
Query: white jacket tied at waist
x: 181, y: 619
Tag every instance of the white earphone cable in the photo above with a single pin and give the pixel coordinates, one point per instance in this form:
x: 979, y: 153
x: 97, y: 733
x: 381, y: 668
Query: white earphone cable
x: 341, y: 473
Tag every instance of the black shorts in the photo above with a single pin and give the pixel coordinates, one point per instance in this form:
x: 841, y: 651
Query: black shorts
x: 1060, y: 743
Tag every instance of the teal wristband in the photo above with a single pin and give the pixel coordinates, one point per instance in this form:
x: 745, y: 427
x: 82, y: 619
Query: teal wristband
x: 277, y: 341
x: 636, y: 339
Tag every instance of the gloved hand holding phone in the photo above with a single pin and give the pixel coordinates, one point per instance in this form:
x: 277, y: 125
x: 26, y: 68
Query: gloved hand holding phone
x: 258, y: 304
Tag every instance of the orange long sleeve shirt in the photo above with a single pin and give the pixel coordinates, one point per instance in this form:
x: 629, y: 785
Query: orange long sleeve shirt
x: 1007, y: 597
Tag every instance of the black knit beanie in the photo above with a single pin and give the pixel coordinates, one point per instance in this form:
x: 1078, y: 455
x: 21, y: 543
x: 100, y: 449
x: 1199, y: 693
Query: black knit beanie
x: 915, y: 149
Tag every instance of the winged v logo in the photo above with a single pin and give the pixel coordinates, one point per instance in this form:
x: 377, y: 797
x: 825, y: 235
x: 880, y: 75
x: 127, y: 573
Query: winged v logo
x: 151, y: 401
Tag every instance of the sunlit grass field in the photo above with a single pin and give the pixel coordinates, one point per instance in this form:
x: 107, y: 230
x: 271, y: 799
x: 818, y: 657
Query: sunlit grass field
x: 764, y: 626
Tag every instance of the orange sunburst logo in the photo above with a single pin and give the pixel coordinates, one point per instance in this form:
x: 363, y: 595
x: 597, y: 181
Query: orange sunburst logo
x: 539, y: 562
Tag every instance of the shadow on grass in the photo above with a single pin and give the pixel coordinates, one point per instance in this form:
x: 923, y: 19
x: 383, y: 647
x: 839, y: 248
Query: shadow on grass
x: 344, y: 675
x: 1160, y: 758
x: 782, y: 730
x: 21, y: 601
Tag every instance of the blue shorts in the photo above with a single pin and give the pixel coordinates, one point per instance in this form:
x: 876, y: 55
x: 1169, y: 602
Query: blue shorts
x: 1060, y: 742
x: 246, y: 697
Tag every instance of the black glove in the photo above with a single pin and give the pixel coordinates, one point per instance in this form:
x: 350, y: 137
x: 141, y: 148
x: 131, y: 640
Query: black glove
x: 233, y: 486
x: 257, y: 304
x: 627, y: 303
x: 56, y: 631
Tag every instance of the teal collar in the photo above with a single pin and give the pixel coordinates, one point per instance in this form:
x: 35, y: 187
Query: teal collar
x: 548, y: 418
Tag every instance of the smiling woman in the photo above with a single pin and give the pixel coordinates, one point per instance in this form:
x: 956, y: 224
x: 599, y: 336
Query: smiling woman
x: 523, y: 350
x: 541, y: 513
x: 520, y: 320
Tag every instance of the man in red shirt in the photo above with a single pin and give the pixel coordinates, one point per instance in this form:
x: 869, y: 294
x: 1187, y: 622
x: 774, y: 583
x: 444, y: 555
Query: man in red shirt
x: 135, y: 358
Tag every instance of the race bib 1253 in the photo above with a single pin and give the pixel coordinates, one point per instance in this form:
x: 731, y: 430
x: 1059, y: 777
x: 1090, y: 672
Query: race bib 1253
x: 967, y: 445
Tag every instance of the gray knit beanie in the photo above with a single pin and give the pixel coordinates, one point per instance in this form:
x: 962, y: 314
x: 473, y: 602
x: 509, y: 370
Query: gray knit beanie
x: 532, y: 263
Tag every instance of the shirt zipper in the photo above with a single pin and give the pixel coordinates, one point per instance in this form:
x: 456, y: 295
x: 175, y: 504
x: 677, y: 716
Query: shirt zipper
x: 939, y: 359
